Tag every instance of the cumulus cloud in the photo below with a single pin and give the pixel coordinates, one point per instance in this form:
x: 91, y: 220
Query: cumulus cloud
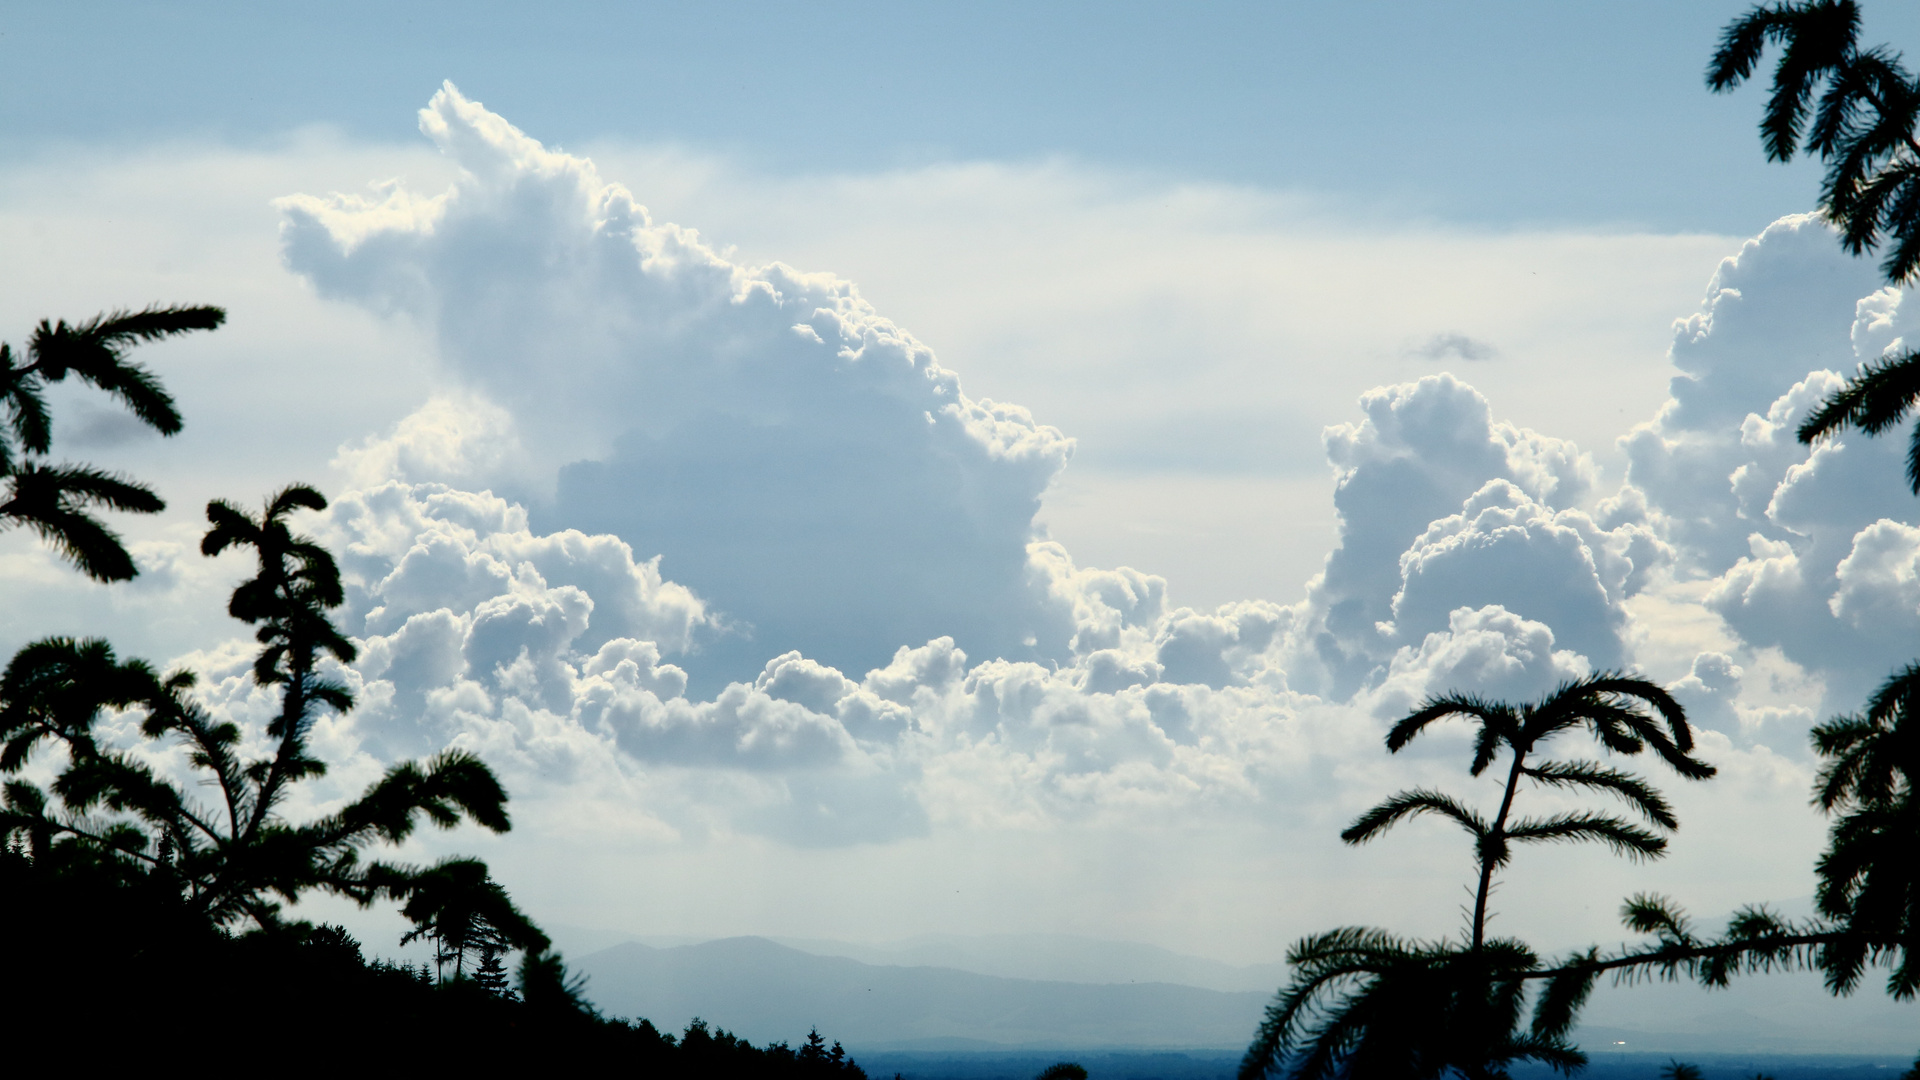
x: 804, y: 482
x: 801, y: 461
x: 1878, y: 583
x: 1788, y: 536
x: 1443, y: 507
x: 711, y: 577
x: 564, y: 660
x: 1487, y: 651
x: 1505, y: 547
x: 714, y: 547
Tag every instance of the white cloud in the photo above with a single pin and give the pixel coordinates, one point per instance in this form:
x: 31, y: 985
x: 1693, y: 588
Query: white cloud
x: 1475, y: 555
x: 715, y: 562
x: 1725, y: 480
x: 1488, y: 651
x: 1429, y: 488
x: 547, y: 654
x: 1453, y: 345
x: 1879, y: 580
x: 411, y: 548
x: 806, y: 464
x: 1504, y: 547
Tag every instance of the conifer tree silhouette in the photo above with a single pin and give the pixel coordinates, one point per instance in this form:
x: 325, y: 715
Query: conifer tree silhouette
x: 490, y: 974
x: 109, y: 830
x: 239, y: 859
x: 815, y: 1048
x: 57, y: 501
x: 1863, y: 126
x: 1869, y: 876
x: 466, y: 913
x: 1856, y: 108
x: 1365, y: 1003
x: 1604, y: 704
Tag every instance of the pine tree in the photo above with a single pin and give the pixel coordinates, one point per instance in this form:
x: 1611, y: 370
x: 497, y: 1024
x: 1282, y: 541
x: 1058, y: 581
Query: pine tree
x: 815, y: 1049
x: 1363, y: 1002
x: 491, y: 974
x: 239, y: 859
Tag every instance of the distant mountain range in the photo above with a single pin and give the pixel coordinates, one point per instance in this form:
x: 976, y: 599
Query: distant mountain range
x: 1046, y: 957
x: 1003, y: 992
x: 1056, y: 958
x: 762, y: 990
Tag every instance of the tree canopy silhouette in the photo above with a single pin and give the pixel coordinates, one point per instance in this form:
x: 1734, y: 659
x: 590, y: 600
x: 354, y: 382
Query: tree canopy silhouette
x: 237, y: 859
x: 464, y: 912
x: 57, y: 501
x: 1856, y: 108
x: 1365, y: 1003
x: 1869, y: 876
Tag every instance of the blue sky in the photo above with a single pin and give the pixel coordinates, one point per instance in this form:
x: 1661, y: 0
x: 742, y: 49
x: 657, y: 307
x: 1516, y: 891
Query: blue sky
x: 1497, y: 113
x: 889, y: 469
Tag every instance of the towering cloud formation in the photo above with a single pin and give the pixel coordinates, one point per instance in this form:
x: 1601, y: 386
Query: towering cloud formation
x: 804, y: 463
x: 1789, y: 534
x: 1441, y: 509
x: 776, y: 571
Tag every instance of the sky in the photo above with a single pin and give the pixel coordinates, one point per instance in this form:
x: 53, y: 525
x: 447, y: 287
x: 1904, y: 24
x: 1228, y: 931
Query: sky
x: 887, y: 470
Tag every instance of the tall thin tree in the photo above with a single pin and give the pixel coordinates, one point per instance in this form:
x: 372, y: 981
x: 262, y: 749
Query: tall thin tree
x: 1365, y: 1002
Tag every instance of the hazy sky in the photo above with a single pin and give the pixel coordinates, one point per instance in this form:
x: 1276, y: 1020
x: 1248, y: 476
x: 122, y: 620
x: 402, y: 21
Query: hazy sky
x: 871, y: 470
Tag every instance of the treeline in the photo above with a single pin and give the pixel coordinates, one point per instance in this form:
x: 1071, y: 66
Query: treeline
x: 117, y: 970
x: 145, y: 869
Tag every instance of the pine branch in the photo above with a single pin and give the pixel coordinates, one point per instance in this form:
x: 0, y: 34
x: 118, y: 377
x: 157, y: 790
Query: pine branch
x: 1628, y: 787
x: 1625, y: 839
x: 1409, y: 804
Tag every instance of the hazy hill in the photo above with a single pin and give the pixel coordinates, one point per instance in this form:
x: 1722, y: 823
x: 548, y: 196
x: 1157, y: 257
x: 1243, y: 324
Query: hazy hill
x: 1055, y: 958
x: 762, y: 990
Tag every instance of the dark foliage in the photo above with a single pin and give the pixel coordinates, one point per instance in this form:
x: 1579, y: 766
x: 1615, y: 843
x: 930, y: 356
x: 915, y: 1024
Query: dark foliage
x: 121, y: 965
x: 1364, y: 1003
x: 1877, y: 398
x: 490, y: 974
x: 1869, y: 876
x: 58, y: 501
x: 1857, y: 109
x: 465, y: 913
x: 1625, y: 715
x: 1854, y: 107
x: 1867, y: 881
x: 238, y: 859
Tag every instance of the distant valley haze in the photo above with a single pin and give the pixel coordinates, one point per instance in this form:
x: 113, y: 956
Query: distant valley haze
x: 1059, y: 992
